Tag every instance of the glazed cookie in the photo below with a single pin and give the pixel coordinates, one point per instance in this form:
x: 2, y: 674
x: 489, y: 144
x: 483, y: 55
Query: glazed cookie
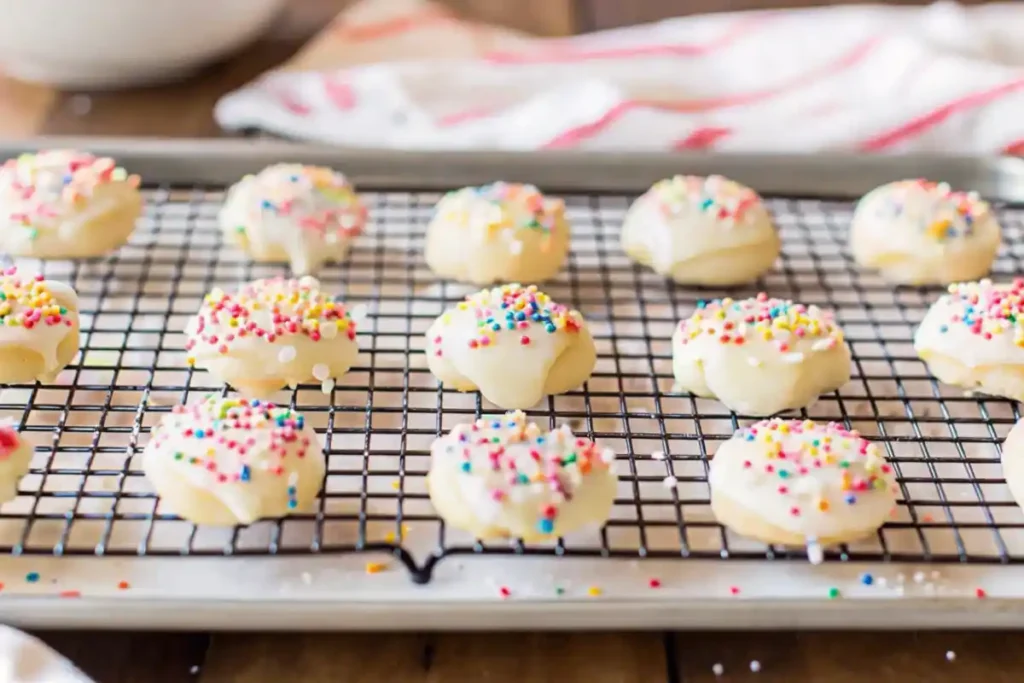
x: 64, y: 205
x: 973, y: 337
x: 1013, y: 462
x: 230, y: 461
x: 502, y: 477
x: 38, y: 328
x: 794, y: 482
x: 759, y: 356
x: 918, y: 232
x: 513, y: 344
x: 271, y: 334
x: 504, y: 232
x: 703, y: 231
x: 301, y: 215
x: 15, y: 457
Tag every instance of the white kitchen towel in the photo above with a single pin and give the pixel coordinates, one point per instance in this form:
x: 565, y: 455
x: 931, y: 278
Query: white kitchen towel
x: 23, y: 659
x: 869, y: 78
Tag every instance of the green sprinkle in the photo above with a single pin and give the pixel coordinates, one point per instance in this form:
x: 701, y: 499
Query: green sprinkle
x: 783, y: 473
x: 179, y: 455
x: 240, y: 228
x: 32, y: 233
x: 559, y: 590
x: 833, y: 593
x: 844, y: 464
x: 569, y: 459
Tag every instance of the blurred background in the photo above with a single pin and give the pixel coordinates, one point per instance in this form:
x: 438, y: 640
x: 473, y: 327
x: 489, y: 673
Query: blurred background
x: 644, y: 75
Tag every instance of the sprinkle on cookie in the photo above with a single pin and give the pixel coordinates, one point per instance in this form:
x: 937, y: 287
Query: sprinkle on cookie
x: 227, y: 457
x: 987, y: 310
x: 817, y: 468
x: 40, y: 188
x: 501, y: 207
x: 516, y: 310
x: 939, y: 212
x: 320, y: 199
x: 9, y: 440
x: 28, y: 302
x: 780, y: 322
x: 270, y: 309
x: 516, y: 462
x: 715, y: 195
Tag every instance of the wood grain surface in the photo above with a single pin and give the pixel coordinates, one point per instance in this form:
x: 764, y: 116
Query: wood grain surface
x: 834, y: 657
x: 184, y: 110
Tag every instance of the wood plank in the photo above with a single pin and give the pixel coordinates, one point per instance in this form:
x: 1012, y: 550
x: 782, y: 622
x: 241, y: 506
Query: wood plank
x: 131, y: 657
x: 409, y: 658
x: 852, y: 657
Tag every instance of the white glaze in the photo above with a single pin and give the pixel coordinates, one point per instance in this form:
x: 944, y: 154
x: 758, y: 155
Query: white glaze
x: 506, y: 477
x: 304, y: 215
x: 756, y: 366
x: 807, y: 480
x: 461, y: 350
x: 701, y: 231
x: 242, y: 467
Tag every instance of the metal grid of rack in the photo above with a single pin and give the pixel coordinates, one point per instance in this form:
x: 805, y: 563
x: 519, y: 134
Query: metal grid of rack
x: 85, y: 495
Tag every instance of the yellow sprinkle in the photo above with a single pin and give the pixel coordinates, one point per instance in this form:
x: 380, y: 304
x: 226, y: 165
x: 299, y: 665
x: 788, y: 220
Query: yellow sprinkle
x: 375, y: 567
x: 396, y: 484
x: 190, y: 360
x: 593, y: 591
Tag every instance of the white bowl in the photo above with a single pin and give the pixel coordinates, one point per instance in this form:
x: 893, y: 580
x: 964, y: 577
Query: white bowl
x: 117, y: 43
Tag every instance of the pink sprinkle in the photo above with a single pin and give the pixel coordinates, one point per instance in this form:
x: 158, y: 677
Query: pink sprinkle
x: 524, y: 340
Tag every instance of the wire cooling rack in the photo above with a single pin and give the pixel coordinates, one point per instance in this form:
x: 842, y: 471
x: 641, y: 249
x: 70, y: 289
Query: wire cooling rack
x: 85, y: 494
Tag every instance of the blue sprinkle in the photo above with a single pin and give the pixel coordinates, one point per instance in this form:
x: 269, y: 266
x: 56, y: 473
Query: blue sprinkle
x: 67, y: 179
x: 292, y: 504
x: 850, y: 499
x: 466, y: 467
x: 267, y: 204
x: 200, y: 433
x: 496, y: 424
x: 246, y: 473
x: 523, y: 479
x: 702, y: 304
x: 867, y: 579
x: 546, y: 526
x: 511, y: 325
x: 540, y: 439
x: 749, y: 436
x: 550, y: 328
x: 496, y: 327
x: 511, y: 423
x: 943, y: 328
x: 300, y: 422
x: 504, y: 305
x: 32, y: 577
x: 520, y: 316
x: 707, y: 204
x: 291, y: 490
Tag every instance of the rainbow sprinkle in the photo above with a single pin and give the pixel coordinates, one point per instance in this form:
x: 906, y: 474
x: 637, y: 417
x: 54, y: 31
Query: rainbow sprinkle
x: 28, y: 302
x: 9, y: 440
x: 987, y: 310
x: 39, y: 188
x: 502, y: 206
x: 815, y: 467
x: 939, y: 212
x: 321, y: 199
x: 517, y: 310
x: 715, y: 195
x: 271, y: 309
x: 778, y: 321
x: 518, y: 462
x: 206, y: 429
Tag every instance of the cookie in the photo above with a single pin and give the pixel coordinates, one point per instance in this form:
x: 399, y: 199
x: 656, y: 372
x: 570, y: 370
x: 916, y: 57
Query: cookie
x: 228, y: 461
x: 63, y: 204
x: 271, y: 334
x: 1013, y: 462
x: 973, y: 337
x: 38, y: 327
x: 15, y: 457
x: 287, y: 213
x: 917, y: 232
x: 513, y: 344
x: 503, y: 232
x: 701, y: 231
x: 759, y: 356
x: 798, y: 483
x: 503, y: 477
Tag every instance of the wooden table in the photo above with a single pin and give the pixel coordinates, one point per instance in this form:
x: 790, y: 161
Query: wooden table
x: 184, y: 110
